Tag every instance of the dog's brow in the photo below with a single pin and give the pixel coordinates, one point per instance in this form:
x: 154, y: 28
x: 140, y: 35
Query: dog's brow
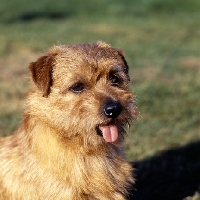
x: 118, y: 68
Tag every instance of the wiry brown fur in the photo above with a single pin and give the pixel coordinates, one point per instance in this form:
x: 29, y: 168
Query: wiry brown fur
x: 56, y: 153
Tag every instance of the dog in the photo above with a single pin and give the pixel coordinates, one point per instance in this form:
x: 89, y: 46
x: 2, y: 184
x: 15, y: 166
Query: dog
x: 70, y: 142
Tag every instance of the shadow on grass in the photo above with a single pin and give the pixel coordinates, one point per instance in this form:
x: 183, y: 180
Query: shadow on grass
x: 39, y: 15
x: 171, y: 175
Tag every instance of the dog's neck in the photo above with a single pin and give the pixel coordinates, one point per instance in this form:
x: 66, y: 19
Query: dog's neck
x: 74, y: 165
x: 55, y: 153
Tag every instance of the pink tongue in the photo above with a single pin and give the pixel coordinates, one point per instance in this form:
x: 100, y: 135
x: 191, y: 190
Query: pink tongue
x: 110, y: 133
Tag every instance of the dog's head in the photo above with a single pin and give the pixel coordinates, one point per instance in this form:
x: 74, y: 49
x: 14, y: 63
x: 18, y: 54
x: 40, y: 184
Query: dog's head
x: 83, y: 91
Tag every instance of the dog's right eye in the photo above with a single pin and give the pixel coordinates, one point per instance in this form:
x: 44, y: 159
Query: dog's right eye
x: 77, y: 87
x: 115, y: 80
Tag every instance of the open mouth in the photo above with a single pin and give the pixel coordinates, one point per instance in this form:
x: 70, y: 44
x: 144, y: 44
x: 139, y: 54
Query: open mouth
x: 108, y: 132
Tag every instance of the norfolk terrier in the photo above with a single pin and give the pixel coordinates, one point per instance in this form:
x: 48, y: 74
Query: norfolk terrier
x: 70, y: 144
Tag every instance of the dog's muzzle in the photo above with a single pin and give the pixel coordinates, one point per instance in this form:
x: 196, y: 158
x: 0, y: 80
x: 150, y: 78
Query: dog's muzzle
x: 109, y: 131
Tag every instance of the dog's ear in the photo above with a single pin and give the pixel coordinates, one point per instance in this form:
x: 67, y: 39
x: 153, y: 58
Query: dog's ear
x: 41, y: 71
x: 121, y: 55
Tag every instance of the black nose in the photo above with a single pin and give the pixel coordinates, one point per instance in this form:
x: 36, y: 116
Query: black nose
x: 112, y: 109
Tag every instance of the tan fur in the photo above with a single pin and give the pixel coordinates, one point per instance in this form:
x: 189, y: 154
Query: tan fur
x: 56, y: 153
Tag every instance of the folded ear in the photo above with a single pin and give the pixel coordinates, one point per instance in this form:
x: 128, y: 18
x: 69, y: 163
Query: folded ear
x: 121, y: 54
x: 41, y: 71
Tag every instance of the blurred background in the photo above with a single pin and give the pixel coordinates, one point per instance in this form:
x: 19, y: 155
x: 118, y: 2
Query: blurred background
x: 161, y: 41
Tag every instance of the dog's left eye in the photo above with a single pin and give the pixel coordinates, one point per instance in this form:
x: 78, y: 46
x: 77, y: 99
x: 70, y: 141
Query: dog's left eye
x: 115, y: 80
x: 77, y: 87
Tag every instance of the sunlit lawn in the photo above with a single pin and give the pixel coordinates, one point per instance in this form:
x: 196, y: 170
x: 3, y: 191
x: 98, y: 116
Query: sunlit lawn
x: 162, y: 50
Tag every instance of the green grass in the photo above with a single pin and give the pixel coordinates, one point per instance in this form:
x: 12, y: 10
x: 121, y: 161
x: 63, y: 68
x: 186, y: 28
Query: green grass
x: 161, y: 43
x: 161, y: 46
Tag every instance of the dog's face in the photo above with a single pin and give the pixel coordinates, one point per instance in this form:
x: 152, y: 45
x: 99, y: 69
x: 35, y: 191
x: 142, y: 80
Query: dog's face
x: 83, y: 91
